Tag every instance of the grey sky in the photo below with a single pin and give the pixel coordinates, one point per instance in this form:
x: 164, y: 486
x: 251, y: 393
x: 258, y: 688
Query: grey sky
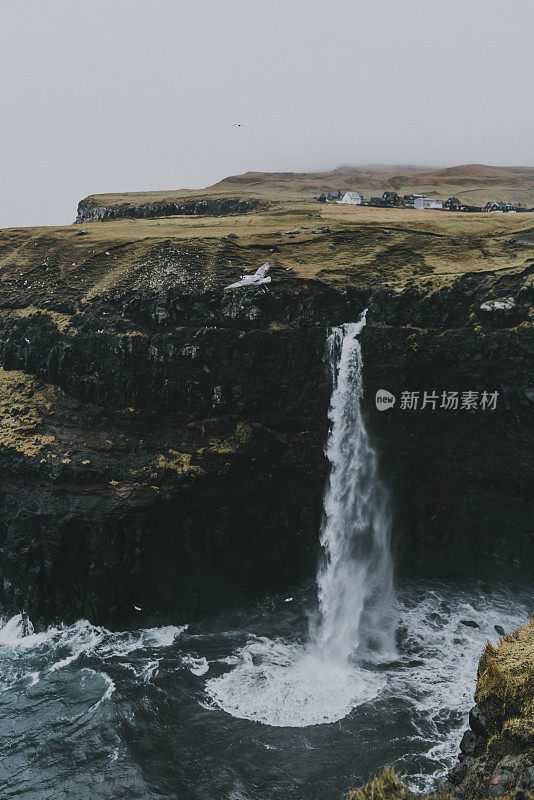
x: 117, y: 95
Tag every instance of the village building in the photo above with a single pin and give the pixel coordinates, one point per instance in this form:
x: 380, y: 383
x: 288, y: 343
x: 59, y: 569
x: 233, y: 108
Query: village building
x: 353, y: 198
x: 452, y: 204
x: 501, y: 207
x: 388, y: 199
x: 427, y: 202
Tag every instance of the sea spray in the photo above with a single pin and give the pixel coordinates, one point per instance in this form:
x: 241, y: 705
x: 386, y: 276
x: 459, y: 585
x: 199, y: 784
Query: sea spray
x: 355, y: 579
x: 283, y: 683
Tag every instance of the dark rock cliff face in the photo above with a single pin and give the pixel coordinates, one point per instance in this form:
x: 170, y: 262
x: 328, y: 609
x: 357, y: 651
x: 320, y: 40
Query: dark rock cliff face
x: 163, y: 439
x: 89, y: 210
x: 461, y: 478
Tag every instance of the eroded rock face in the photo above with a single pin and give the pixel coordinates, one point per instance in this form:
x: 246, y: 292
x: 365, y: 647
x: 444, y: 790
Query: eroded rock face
x: 163, y: 439
x: 89, y: 210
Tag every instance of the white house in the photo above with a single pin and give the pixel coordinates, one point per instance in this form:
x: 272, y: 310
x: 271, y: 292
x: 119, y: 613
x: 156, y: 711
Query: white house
x: 354, y: 198
x: 427, y: 202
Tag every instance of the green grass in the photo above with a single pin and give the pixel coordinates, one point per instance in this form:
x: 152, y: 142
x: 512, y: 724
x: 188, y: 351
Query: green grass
x: 505, y: 683
x: 385, y: 786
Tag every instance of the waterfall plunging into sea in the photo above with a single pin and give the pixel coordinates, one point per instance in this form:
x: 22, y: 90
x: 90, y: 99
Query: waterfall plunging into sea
x: 355, y: 580
x: 82, y: 690
x: 293, y: 683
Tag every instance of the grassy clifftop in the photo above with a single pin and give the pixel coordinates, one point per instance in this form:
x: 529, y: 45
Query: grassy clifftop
x: 474, y: 184
x: 338, y: 245
x: 505, y: 690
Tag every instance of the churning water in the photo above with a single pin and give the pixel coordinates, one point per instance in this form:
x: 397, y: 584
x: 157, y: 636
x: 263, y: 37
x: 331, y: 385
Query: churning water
x: 87, y: 714
x: 297, y: 697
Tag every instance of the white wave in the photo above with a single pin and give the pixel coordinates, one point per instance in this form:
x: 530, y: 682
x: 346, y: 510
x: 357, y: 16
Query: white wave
x: 34, y: 678
x: 15, y: 629
x: 107, y: 694
x: 161, y: 637
x: 289, y: 685
x: 208, y: 704
x: 437, y: 674
x: 110, y: 688
x: 150, y: 670
x: 57, y: 648
x: 198, y: 666
x: 18, y: 631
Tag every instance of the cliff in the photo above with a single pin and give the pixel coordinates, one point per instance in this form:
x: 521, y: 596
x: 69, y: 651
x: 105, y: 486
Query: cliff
x: 497, y: 752
x: 104, y: 209
x: 162, y: 438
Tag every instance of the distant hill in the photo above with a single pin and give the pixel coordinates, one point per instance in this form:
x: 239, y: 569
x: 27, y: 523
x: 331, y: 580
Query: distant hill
x: 472, y: 183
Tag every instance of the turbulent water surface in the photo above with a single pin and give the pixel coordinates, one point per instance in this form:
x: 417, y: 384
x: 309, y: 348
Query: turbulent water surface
x: 298, y: 697
x: 86, y: 713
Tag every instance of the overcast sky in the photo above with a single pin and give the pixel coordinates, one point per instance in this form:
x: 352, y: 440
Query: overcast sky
x: 118, y: 95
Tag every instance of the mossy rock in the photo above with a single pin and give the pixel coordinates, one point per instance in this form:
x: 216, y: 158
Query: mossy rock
x: 505, y: 683
x: 385, y: 786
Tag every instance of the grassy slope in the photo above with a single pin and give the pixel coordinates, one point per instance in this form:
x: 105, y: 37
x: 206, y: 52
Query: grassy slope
x: 365, y: 246
x: 505, y: 689
x: 474, y: 184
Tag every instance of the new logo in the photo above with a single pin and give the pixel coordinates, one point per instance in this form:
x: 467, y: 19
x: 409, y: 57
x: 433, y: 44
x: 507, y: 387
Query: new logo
x: 384, y: 399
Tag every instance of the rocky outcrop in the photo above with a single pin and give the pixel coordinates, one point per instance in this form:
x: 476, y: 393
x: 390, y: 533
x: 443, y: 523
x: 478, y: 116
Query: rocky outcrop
x: 162, y: 439
x: 496, y: 756
x: 497, y: 752
x: 91, y: 210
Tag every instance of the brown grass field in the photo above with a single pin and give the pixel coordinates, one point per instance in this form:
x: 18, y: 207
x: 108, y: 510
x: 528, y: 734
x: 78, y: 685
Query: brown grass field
x: 364, y: 245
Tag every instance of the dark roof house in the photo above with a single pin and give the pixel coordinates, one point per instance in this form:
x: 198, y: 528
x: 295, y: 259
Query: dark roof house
x: 452, y: 204
x: 502, y: 207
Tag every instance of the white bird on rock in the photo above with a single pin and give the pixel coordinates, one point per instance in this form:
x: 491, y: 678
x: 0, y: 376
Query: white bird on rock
x: 260, y: 276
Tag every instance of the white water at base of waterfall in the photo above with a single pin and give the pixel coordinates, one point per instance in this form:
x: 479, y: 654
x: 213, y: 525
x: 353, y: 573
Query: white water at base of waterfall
x: 322, y: 680
x: 106, y: 714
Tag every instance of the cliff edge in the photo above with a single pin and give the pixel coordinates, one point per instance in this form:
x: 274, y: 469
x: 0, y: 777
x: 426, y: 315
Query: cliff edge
x: 497, y: 751
x: 162, y: 436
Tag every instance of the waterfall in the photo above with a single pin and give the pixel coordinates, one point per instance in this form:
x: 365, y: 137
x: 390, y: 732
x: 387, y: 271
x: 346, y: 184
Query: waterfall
x: 298, y: 683
x: 355, y: 579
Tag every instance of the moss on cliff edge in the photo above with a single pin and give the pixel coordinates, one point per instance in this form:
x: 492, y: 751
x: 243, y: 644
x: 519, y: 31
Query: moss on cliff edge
x: 23, y: 402
x: 385, y: 786
x: 505, y: 687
